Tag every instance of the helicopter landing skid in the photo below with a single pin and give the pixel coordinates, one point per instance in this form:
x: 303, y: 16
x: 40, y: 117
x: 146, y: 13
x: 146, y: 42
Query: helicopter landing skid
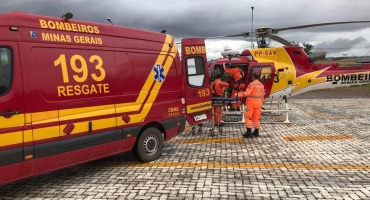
x: 277, y: 112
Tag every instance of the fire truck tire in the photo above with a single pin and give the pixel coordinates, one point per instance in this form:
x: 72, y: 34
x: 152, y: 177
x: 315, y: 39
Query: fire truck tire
x: 149, y: 146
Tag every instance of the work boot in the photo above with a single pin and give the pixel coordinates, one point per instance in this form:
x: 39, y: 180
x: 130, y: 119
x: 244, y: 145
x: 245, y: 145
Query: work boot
x: 256, y: 132
x: 219, y: 124
x: 248, y: 133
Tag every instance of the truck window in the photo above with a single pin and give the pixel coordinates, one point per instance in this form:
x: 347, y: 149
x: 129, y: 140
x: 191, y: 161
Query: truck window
x: 196, y: 71
x: 5, y: 70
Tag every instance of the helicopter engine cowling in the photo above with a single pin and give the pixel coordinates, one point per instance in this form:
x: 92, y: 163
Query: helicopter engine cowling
x: 229, y: 53
x: 316, y: 56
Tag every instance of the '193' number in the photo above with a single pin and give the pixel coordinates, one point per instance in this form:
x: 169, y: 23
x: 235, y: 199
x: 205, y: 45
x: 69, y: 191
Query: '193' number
x: 203, y: 93
x: 82, y: 69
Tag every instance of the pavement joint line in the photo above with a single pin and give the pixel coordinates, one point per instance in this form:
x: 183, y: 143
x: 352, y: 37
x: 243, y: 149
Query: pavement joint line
x: 206, y: 140
x: 327, y: 115
x: 323, y: 124
x: 234, y: 165
x: 322, y: 137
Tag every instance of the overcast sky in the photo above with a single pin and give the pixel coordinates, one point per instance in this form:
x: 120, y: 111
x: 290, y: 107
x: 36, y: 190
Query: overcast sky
x: 195, y: 18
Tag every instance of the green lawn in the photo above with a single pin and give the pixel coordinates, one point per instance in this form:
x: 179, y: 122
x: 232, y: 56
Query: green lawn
x: 364, y: 86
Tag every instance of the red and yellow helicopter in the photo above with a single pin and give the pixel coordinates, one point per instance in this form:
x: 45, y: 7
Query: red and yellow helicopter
x: 288, y: 70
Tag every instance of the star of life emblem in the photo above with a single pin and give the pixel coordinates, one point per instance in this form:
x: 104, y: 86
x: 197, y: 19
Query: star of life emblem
x: 159, y: 70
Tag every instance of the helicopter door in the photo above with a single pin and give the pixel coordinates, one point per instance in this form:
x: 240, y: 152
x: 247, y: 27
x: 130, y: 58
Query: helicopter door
x: 196, y: 82
x: 267, y: 75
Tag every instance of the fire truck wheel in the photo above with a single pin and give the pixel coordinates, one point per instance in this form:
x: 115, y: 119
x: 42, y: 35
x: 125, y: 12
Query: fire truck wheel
x: 149, y: 147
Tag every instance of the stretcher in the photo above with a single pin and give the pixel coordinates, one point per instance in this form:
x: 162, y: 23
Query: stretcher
x: 272, y: 112
x: 216, y: 101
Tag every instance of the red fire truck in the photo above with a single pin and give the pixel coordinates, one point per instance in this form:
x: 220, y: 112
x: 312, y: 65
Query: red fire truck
x: 74, y: 91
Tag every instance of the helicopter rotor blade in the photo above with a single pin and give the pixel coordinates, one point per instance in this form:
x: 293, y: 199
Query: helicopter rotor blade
x: 315, y: 25
x: 281, y: 40
x: 226, y: 36
x: 244, y: 34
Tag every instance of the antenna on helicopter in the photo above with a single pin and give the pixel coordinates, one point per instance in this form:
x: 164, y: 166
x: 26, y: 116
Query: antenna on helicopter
x: 227, y: 48
x: 109, y: 20
x: 252, y: 44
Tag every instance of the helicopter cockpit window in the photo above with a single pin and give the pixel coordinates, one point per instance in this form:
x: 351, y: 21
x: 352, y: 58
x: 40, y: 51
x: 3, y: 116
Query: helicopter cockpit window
x: 5, y: 70
x: 264, y: 71
x: 196, y: 71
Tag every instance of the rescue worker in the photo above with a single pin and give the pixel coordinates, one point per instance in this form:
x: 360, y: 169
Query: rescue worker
x: 238, y: 86
x: 255, y: 94
x: 218, y: 89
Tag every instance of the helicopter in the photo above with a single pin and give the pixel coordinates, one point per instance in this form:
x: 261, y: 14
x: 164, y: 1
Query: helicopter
x: 288, y: 70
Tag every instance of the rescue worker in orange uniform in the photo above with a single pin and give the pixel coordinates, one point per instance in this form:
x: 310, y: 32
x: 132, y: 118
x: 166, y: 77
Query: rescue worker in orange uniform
x: 238, y: 84
x: 218, y: 89
x: 255, y: 94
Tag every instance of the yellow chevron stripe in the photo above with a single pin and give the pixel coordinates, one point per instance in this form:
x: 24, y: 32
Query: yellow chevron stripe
x: 149, y: 81
x: 153, y: 94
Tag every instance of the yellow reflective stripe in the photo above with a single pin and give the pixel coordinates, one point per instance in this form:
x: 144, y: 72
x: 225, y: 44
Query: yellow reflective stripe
x: 46, y: 133
x: 82, y: 127
x: 44, y: 117
x: 11, y: 138
x: 14, y: 121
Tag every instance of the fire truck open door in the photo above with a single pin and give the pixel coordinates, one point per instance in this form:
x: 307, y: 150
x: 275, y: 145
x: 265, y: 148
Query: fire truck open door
x: 197, y: 94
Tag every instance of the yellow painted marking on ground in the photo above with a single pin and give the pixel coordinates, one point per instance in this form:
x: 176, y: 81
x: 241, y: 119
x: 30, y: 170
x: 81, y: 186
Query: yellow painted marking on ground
x: 305, y: 138
x: 236, y: 165
x: 188, y: 128
x: 207, y: 140
x: 327, y: 115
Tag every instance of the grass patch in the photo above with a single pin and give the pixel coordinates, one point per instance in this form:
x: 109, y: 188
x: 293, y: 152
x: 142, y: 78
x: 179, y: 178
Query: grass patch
x: 363, y: 86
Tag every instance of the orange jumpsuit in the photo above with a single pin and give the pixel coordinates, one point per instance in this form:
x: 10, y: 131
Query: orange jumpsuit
x: 237, y: 76
x: 255, y: 94
x: 219, y: 85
